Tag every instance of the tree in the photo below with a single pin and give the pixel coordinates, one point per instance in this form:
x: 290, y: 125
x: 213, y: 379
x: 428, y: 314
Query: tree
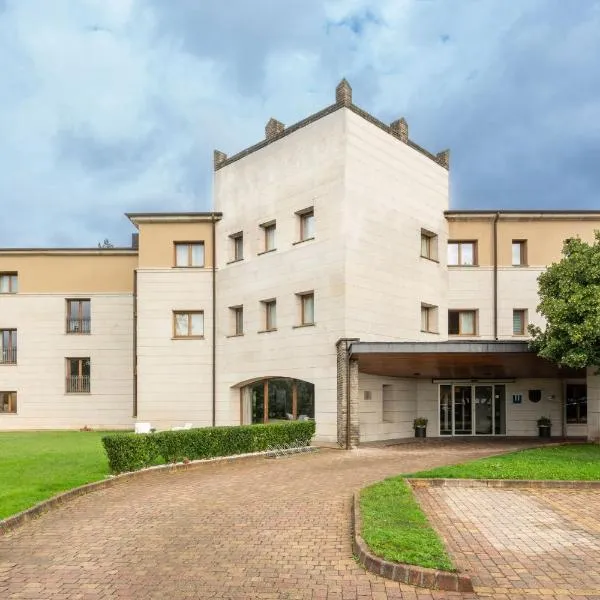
x: 569, y: 294
x: 106, y: 244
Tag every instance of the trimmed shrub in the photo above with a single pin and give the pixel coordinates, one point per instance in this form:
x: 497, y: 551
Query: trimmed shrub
x: 130, y: 451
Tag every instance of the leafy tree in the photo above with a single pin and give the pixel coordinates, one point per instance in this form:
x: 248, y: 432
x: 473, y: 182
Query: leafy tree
x: 106, y: 244
x: 569, y: 294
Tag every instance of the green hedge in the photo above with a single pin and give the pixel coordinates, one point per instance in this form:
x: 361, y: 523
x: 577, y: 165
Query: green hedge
x: 130, y: 451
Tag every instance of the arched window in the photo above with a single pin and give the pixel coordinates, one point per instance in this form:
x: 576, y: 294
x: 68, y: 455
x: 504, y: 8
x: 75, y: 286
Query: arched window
x: 278, y: 399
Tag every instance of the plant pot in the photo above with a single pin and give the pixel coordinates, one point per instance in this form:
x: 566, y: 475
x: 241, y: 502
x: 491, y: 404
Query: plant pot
x: 545, y: 431
x: 420, y: 432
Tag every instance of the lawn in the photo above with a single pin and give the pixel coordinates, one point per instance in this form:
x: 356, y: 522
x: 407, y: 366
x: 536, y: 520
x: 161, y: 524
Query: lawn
x: 37, y: 465
x: 568, y: 462
x: 395, y: 528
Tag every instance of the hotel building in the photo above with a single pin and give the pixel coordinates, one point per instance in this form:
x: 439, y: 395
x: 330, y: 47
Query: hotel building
x: 331, y: 281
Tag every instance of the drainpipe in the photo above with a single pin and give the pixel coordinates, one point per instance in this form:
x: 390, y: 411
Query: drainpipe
x: 214, y: 323
x: 495, y: 249
x: 135, y: 382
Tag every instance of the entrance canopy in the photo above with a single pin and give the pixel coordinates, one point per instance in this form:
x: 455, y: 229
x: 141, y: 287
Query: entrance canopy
x: 456, y: 360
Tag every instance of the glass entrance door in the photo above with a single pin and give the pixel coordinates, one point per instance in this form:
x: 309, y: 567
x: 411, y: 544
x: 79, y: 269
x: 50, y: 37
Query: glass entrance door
x: 472, y: 409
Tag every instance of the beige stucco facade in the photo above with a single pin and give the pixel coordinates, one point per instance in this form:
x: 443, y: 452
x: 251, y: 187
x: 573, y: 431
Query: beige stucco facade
x: 372, y: 194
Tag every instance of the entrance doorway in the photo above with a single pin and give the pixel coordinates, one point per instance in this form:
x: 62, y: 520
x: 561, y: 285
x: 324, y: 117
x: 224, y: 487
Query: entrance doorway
x: 472, y: 409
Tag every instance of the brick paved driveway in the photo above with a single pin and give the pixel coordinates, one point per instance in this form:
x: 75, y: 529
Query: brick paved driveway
x: 519, y: 543
x: 260, y: 528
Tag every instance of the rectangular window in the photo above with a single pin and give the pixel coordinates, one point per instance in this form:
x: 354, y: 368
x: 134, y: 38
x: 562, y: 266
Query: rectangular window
x: 8, y: 402
x: 270, y: 308
x: 429, y: 245
x: 462, y: 253
x: 462, y: 322
x: 188, y: 324
x: 307, y: 308
x: 429, y: 318
x: 9, y: 283
x: 237, y: 319
x: 8, y: 346
x: 576, y: 403
x: 237, y: 246
x: 519, y: 253
x: 269, y: 230
x: 519, y: 321
x: 307, y: 224
x: 189, y: 254
x: 78, y: 375
x: 79, y: 318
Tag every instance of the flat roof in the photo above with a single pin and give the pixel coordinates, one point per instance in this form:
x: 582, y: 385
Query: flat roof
x: 168, y: 217
x: 523, y: 213
x: 61, y: 251
x: 461, y: 359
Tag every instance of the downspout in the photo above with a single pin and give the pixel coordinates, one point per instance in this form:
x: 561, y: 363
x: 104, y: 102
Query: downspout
x: 214, y: 324
x: 135, y: 386
x: 495, y: 251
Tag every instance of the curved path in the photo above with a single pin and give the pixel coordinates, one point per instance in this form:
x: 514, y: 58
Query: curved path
x: 257, y: 528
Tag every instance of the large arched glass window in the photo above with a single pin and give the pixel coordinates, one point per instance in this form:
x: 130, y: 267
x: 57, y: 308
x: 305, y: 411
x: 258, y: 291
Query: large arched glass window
x: 278, y: 399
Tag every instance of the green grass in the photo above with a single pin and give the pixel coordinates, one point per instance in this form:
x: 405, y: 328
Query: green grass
x: 395, y: 528
x: 37, y: 465
x: 568, y: 462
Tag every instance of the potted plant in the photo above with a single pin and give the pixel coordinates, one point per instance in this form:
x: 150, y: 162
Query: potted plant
x: 420, y: 427
x: 544, y: 427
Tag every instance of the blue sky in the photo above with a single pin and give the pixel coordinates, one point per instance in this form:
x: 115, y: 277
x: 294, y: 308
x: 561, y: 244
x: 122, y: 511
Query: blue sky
x: 108, y: 106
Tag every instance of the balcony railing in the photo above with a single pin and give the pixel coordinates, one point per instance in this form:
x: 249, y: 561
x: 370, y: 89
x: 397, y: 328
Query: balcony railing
x: 79, y: 325
x: 8, y: 356
x: 78, y: 384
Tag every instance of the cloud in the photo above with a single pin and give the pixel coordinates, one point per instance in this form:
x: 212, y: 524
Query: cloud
x: 114, y: 106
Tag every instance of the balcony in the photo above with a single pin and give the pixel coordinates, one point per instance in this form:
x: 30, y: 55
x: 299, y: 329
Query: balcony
x: 8, y: 356
x: 78, y: 384
x: 83, y: 325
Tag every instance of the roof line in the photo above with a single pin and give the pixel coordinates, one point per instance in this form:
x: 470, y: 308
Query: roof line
x: 521, y: 212
x: 449, y: 347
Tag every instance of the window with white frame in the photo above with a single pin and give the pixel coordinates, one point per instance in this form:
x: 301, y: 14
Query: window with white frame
x: 429, y: 245
x: 269, y: 231
x: 188, y: 323
x: 462, y: 322
x: 189, y: 254
x: 429, y: 318
x: 462, y: 253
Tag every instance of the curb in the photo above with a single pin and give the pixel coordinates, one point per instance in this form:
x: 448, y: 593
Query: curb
x: 15, y: 521
x: 410, y: 574
x: 505, y: 483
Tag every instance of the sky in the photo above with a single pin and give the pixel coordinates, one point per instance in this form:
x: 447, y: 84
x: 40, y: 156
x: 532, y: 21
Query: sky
x: 114, y: 106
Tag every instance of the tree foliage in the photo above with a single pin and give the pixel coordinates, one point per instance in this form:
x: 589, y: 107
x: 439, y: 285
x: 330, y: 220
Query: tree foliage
x: 105, y: 244
x: 569, y: 294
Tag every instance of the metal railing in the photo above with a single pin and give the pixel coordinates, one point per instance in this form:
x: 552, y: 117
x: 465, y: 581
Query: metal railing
x: 78, y: 384
x: 8, y: 356
x: 83, y: 325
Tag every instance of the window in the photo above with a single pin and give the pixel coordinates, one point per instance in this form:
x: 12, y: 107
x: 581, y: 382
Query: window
x: 270, y: 314
x: 462, y: 322
x: 9, y: 283
x: 307, y: 308
x: 576, y: 403
x: 269, y: 236
x: 462, y: 253
x: 519, y: 321
x: 519, y: 253
x: 188, y: 324
x: 237, y: 319
x: 78, y: 375
x: 237, y: 246
x: 429, y: 318
x: 8, y: 346
x: 429, y: 245
x: 8, y: 402
x: 189, y: 254
x: 307, y: 224
x: 79, y: 316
